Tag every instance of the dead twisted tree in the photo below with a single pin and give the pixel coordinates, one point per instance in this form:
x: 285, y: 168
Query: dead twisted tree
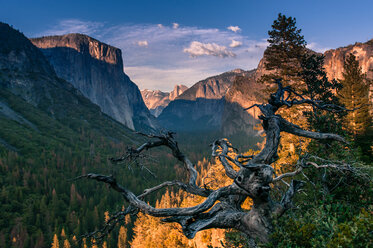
x: 222, y: 207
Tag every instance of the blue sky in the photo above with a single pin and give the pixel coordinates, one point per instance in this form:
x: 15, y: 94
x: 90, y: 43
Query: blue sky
x: 171, y: 42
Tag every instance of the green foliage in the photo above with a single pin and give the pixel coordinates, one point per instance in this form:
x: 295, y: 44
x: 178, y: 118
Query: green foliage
x: 286, y: 48
x: 341, y: 219
x: 354, y: 233
x: 355, y: 95
x: 235, y: 239
x: 319, y: 88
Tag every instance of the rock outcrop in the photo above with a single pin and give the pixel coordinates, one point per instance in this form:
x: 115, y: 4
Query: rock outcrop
x: 213, y: 104
x: 334, y: 60
x: 96, y: 70
x: 157, y: 100
x: 213, y: 87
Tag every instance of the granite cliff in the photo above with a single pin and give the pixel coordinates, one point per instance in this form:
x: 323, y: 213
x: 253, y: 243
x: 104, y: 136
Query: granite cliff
x: 27, y: 79
x: 214, y: 87
x: 157, y: 100
x: 205, y: 106
x: 96, y: 70
x: 334, y: 60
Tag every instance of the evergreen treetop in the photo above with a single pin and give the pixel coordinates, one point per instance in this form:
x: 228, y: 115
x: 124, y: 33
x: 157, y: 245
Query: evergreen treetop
x: 286, y: 48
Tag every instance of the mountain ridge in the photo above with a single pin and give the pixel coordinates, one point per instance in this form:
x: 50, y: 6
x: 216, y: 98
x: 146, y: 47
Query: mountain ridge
x: 96, y: 69
x: 157, y: 100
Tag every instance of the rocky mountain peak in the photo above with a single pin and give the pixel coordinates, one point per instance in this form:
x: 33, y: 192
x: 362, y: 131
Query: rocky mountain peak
x: 238, y: 70
x: 177, y: 91
x: 83, y: 44
x: 334, y: 58
x: 214, y: 87
x: 157, y: 100
x: 96, y: 70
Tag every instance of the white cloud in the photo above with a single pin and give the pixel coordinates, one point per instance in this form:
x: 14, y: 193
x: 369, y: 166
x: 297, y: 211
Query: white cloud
x: 175, y: 25
x: 151, y: 77
x: 257, y: 46
x: 196, y: 49
x: 142, y: 43
x: 235, y: 43
x: 73, y: 26
x: 317, y: 48
x: 164, y: 62
x: 160, y: 25
x: 234, y: 28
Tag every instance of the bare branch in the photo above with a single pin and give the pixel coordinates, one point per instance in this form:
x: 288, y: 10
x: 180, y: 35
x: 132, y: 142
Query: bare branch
x: 223, y: 145
x: 167, y: 139
x: 118, y: 217
x: 288, y: 174
x: 164, y: 212
x: 252, y: 106
x: 296, y: 130
x: 287, y: 198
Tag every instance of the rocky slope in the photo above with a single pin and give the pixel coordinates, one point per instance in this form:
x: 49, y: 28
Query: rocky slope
x: 205, y: 106
x: 334, y: 59
x: 213, y: 87
x: 96, y: 70
x: 157, y: 100
x: 364, y: 54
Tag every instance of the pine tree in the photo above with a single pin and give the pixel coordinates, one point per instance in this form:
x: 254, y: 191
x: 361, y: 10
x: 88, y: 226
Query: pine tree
x: 55, y: 243
x: 66, y: 244
x: 318, y: 87
x: 285, y: 50
x: 282, y: 60
x: 122, y: 238
x: 355, y: 95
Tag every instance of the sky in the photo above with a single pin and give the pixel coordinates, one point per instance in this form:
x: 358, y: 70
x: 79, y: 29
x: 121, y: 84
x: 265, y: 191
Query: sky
x: 169, y: 42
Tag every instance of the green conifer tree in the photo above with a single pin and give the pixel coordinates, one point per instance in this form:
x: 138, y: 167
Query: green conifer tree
x: 282, y: 60
x: 318, y: 87
x: 285, y: 50
x: 355, y: 95
x: 55, y: 243
x: 122, y: 238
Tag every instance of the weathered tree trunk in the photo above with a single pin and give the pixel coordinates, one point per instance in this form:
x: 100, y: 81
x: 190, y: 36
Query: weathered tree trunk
x: 222, y: 207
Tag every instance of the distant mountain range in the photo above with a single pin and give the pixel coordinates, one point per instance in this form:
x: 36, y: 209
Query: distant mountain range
x: 217, y: 103
x: 95, y: 70
x: 157, y: 100
x: 203, y: 107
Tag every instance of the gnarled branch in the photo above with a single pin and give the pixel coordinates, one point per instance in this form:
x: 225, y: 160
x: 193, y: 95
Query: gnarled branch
x: 221, y: 208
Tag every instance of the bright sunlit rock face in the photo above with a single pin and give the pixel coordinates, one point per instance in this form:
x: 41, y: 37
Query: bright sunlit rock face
x: 157, y: 100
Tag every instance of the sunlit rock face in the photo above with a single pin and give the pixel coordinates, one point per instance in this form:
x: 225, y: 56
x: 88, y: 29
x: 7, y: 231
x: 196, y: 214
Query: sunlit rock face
x: 212, y: 104
x: 242, y: 94
x: 157, y: 100
x: 213, y: 87
x: 363, y: 52
x: 96, y: 69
